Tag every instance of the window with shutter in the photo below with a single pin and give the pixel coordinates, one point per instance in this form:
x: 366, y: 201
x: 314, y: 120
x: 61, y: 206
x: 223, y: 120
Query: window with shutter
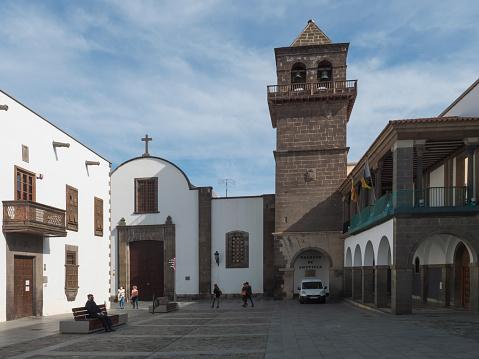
x: 146, y: 195
x: 237, y: 249
x: 72, y: 208
x: 98, y: 217
x: 25, y: 185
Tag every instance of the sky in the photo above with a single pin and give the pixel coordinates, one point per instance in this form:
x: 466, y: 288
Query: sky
x: 193, y: 74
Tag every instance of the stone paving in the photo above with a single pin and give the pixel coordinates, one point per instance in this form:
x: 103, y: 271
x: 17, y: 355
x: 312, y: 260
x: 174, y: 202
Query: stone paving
x: 269, y: 330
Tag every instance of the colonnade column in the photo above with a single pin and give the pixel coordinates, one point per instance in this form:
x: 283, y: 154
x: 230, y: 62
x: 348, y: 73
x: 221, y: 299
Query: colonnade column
x: 381, y: 286
x: 471, y: 145
x: 378, y: 179
x: 367, y: 284
x: 446, y: 279
x: 357, y: 283
x: 401, y: 289
x: 348, y: 285
x: 424, y: 275
x: 419, y: 145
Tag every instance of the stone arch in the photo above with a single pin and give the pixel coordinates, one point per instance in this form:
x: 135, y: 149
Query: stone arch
x: 357, y: 256
x: 463, y: 237
x: 348, y: 261
x: 384, y: 252
x: 310, y: 262
x: 368, y: 254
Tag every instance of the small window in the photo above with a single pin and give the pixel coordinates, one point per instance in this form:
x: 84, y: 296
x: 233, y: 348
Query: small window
x: 146, y: 192
x: 72, y: 208
x: 25, y: 185
x: 237, y: 249
x: 417, y: 265
x: 98, y: 217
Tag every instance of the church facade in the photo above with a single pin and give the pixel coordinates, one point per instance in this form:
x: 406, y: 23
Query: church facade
x: 399, y: 227
x: 56, y: 223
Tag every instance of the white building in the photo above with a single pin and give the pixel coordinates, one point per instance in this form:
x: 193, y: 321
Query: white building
x: 158, y: 216
x: 55, y: 223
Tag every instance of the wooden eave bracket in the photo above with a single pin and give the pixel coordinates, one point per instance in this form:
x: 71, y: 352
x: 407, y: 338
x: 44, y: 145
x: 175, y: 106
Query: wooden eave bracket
x: 92, y: 163
x: 60, y: 144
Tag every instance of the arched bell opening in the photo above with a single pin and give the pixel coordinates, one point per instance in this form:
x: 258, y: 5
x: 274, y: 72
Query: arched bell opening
x: 298, y: 73
x: 325, y: 71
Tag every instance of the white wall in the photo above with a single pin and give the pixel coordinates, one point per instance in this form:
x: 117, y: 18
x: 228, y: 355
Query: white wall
x: 59, y: 166
x: 374, y: 235
x: 243, y: 214
x: 175, y: 199
x: 468, y: 106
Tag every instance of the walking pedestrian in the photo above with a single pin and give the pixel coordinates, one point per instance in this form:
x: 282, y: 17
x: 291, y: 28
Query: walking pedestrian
x: 121, y: 296
x: 134, y: 297
x: 249, y: 293
x: 216, y: 296
x: 243, y: 295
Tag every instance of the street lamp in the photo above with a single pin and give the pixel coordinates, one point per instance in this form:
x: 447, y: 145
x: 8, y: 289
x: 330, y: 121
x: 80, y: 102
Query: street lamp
x: 217, y: 257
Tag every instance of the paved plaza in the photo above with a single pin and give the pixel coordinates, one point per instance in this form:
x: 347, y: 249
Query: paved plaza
x: 270, y: 330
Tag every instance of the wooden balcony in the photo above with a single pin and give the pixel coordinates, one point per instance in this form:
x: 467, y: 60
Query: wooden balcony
x: 32, y: 217
x: 316, y: 91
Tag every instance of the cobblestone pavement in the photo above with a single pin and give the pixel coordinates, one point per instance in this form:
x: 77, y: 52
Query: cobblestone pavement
x: 269, y: 330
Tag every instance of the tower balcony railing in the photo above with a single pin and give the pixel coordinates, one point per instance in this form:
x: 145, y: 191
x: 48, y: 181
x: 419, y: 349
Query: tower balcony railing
x: 313, y: 89
x: 433, y: 201
x: 33, y: 217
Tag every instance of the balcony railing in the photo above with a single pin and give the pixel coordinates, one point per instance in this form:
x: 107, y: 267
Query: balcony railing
x: 313, y: 89
x: 424, y: 202
x: 32, y: 217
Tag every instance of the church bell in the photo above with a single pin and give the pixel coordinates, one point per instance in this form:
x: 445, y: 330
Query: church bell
x: 298, y: 75
x: 324, y: 75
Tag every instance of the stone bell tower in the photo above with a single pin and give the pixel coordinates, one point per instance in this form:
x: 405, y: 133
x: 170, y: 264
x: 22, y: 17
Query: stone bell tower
x: 310, y: 108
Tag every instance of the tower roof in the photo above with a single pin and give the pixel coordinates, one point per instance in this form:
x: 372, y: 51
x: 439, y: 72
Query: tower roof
x: 311, y: 35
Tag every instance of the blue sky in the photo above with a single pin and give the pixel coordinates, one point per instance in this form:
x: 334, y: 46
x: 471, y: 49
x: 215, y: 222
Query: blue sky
x: 193, y: 74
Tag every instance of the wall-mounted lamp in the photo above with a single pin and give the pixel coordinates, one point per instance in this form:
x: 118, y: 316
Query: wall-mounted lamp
x: 92, y: 163
x: 217, y: 257
x: 4, y: 107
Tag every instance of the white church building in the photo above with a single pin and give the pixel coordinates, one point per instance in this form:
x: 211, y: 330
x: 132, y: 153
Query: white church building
x: 170, y: 238
x: 55, y: 237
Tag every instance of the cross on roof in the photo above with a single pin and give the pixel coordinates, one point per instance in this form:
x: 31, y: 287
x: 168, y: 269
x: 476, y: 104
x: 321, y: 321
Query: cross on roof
x: 146, y: 139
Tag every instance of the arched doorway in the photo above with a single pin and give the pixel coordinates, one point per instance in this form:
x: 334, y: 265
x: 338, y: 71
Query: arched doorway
x: 311, y: 264
x: 461, y: 275
x: 147, y: 268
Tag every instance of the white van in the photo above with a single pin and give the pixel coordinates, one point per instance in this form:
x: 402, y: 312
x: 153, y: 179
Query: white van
x: 312, y: 290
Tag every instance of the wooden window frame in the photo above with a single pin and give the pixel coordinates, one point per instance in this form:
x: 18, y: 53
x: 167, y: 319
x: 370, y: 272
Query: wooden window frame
x: 154, y: 208
x: 22, y: 171
x: 71, y: 209
x: 98, y: 208
x: 232, y: 262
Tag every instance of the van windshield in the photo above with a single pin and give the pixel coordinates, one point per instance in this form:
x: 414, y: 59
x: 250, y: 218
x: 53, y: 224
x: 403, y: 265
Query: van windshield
x: 312, y: 285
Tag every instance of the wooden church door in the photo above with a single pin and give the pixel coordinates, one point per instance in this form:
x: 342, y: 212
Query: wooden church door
x: 147, y: 268
x: 465, y: 278
x: 23, y: 286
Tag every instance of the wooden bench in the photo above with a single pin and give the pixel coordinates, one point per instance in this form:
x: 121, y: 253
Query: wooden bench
x: 163, y: 305
x: 83, y: 324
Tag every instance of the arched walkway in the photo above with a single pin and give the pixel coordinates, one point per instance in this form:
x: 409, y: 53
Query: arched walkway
x: 311, y: 263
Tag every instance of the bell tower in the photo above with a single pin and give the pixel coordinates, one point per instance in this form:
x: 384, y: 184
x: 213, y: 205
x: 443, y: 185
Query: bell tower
x: 310, y: 107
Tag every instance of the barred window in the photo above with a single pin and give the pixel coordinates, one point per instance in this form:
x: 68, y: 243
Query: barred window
x: 237, y: 249
x: 71, y: 272
x: 146, y: 193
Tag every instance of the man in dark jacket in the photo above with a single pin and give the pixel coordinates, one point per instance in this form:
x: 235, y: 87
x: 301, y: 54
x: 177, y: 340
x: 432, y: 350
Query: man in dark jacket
x: 95, y: 312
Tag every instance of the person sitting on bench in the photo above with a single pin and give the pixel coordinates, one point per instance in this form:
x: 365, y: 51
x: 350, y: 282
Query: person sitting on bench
x: 95, y: 312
